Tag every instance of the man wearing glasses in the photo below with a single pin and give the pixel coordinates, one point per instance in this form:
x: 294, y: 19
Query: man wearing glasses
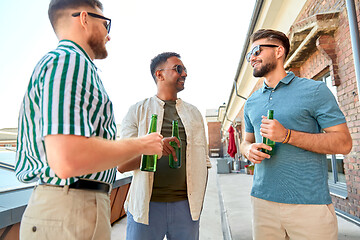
x: 67, y: 130
x: 290, y: 194
x: 168, y: 201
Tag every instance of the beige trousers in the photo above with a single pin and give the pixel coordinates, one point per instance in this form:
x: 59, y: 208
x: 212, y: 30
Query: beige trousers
x: 60, y: 213
x: 275, y: 221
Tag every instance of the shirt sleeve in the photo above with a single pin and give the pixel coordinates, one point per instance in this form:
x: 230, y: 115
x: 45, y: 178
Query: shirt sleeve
x: 327, y: 111
x: 70, y: 99
x: 129, y: 125
x: 248, y: 126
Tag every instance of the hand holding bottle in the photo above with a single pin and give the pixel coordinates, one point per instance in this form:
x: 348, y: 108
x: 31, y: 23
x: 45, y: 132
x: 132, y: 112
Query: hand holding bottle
x: 254, y: 153
x: 152, y: 144
x: 167, y: 148
x: 272, y: 129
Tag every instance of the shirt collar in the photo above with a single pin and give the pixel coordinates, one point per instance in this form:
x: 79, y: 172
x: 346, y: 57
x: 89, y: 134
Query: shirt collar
x: 74, y: 46
x: 286, y: 80
x: 178, y: 101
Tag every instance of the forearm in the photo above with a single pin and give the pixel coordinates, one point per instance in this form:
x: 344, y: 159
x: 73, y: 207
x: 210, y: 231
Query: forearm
x: 70, y: 155
x: 130, y: 165
x: 323, y: 143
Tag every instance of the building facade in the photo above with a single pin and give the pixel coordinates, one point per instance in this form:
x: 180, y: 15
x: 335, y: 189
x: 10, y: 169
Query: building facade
x: 8, y: 137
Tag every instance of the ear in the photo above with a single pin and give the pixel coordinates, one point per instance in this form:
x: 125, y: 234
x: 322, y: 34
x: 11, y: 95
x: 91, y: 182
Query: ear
x: 159, y: 76
x: 83, y: 19
x: 280, y: 52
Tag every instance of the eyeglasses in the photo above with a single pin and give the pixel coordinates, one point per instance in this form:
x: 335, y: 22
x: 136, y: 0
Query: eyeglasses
x: 107, y: 25
x: 257, y: 50
x: 178, y: 68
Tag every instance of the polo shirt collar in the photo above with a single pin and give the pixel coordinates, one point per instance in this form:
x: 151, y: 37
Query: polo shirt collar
x: 286, y: 80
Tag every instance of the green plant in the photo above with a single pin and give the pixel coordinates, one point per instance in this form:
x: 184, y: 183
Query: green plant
x: 250, y: 167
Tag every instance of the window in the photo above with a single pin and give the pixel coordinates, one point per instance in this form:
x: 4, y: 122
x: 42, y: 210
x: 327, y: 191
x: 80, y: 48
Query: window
x: 327, y: 80
x: 335, y: 163
x: 336, y: 168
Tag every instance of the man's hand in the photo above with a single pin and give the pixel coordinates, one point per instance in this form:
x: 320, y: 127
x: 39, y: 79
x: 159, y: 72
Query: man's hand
x: 152, y: 144
x: 254, y: 153
x: 272, y: 129
x: 168, y: 149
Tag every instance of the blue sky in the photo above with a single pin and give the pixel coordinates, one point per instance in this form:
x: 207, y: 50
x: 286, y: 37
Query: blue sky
x: 209, y: 35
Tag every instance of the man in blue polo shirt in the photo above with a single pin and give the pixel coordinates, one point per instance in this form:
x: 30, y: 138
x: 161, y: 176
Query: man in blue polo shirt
x: 290, y: 194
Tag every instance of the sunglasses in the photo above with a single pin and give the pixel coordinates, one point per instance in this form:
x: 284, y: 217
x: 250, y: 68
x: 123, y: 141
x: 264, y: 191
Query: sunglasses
x: 257, y: 50
x: 107, y: 25
x: 178, y: 68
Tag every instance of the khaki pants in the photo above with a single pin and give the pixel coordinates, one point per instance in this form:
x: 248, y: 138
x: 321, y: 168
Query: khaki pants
x: 62, y: 213
x: 274, y: 221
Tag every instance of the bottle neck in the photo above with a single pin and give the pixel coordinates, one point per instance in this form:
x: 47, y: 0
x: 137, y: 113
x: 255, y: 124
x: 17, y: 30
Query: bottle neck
x: 270, y: 114
x: 175, y: 129
x: 153, y: 124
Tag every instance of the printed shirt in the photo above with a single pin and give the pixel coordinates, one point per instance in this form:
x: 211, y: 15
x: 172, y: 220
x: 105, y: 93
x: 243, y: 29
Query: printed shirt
x: 136, y: 123
x: 65, y: 96
x: 293, y: 175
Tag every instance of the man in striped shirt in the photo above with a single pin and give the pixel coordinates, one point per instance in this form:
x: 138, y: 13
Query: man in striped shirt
x: 67, y: 131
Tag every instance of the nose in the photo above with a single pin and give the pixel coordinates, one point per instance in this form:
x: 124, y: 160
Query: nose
x: 184, y: 74
x: 108, y: 38
x: 252, y: 57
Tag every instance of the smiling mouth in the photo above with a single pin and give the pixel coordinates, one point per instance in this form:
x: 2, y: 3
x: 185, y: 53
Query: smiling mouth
x: 255, y: 64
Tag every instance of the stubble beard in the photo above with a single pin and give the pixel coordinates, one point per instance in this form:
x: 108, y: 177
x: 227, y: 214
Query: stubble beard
x: 264, y: 70
x: 97, y: 46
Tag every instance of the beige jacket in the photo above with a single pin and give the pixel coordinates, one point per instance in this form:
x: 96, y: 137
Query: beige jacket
x: 136, y: 123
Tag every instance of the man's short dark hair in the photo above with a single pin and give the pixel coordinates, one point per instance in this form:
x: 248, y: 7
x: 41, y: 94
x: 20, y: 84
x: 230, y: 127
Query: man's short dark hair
x: 159, y: 60
x: 271, y: 34
x: 56, y: 7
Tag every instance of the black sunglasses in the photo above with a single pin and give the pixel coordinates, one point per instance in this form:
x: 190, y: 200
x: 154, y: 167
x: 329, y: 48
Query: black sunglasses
x: 257, y: 50
x: 178, y: 68
x: 107, y: 24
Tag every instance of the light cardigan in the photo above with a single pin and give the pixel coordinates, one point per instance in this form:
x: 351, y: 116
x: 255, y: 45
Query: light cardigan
x: 136, y: 124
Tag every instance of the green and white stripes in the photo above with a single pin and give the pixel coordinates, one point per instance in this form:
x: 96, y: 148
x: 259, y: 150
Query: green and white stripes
x: 65, y: 96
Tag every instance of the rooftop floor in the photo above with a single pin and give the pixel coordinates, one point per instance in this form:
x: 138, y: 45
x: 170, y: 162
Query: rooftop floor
x: 227, y: 210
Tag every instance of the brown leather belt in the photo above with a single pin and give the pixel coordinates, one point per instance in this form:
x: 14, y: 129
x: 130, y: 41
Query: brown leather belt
x: 83, y: 184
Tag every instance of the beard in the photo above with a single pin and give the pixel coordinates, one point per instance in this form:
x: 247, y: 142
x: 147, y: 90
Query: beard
x: 264, y: 70
x: 181, y: 87
x: 97, y: 46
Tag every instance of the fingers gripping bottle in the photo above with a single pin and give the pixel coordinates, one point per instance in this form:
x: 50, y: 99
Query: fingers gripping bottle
x: 175, y: 133
x: 148, y: 162
x: 270, y: 115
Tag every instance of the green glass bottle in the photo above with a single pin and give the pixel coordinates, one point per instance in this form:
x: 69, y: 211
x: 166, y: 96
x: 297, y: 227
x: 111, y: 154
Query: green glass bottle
x: 175, y: 133
x: 148, y: 162
x: 270, y: 115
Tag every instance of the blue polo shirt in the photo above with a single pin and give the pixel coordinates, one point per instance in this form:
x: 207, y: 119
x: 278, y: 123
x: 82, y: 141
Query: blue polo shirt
x: 293, y: 175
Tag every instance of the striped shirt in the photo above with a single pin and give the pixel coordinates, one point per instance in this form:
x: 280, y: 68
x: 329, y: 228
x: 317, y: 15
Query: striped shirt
x: 65, y: 96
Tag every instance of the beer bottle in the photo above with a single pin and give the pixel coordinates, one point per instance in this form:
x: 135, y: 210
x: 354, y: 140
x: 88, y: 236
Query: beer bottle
x: 148, y: 162
x: 270, y: 115
x: 175, y: 133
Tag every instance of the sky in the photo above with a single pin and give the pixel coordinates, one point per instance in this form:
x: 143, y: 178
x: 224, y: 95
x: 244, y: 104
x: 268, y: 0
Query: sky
x: 208, y: 34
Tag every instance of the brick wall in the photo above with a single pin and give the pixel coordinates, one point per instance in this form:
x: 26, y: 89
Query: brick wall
x: 214, y: 133
x: 346, y: 91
